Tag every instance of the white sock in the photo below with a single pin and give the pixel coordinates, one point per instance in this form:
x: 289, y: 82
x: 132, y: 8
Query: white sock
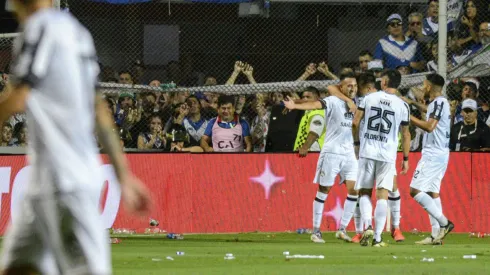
x: 433, y: 222
x: 430, y: 206
x: 366, y: 210
x: 349, y: 206
x: 318, y: 204
x: 357, y: 219
x: 380, y: 218
x: 435, y: 226
x: 394, y: 202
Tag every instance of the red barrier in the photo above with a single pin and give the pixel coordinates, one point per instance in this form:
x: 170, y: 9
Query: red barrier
x: 212, y: 193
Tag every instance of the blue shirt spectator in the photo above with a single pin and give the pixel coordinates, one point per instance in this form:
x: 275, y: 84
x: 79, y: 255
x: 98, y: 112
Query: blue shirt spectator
x: 396, y: 50
x: 397, y: 53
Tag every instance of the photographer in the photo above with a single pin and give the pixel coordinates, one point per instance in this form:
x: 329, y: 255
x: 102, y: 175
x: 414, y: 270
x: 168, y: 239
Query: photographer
x: 471, y: 134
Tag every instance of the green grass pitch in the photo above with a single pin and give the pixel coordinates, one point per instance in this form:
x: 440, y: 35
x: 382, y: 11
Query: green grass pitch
x: 262, y: 253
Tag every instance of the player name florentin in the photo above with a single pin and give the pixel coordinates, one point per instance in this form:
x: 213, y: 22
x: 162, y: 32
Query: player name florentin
x: 375, y: 137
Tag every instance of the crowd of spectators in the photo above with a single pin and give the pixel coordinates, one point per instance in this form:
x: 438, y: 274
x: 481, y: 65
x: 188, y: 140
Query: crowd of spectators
x: 212, y: 122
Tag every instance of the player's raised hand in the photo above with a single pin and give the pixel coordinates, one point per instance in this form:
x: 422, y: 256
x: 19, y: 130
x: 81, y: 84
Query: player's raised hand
x: 404, y: 167
x: 289, y: 103
x: 136, y: 197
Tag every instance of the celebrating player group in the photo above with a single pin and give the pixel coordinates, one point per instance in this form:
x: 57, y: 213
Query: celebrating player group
x: 361, y: 146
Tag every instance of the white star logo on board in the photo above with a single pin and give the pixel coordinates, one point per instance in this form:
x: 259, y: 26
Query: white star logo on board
x: 267, y: 179
x: 336, y: 212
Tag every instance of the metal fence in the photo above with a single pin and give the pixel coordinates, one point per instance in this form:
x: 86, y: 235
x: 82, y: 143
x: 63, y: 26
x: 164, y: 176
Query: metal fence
x: 196, y: 45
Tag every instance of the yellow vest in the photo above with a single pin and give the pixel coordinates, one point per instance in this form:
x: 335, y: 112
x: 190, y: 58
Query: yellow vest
x: 304, y: 129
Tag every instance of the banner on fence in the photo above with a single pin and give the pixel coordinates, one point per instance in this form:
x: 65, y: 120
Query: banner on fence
x: 212, y: 193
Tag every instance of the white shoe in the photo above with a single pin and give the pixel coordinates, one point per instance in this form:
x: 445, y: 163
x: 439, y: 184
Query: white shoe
x: 426, y: 241
x: 342, y: 235
x: 317, y: 238
x: 429, y: 241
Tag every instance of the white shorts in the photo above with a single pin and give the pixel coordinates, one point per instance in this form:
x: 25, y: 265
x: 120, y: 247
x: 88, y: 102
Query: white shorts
x: 330, y: 165
x: 429, y: 173
x: 58, y: 234
x: 374, y: 170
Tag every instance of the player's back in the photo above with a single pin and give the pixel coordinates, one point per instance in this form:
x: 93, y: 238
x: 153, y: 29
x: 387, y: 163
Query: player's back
x: 383, y: 114
x: 436, y: 143
x: 338, y: 136
x: 56, y: 56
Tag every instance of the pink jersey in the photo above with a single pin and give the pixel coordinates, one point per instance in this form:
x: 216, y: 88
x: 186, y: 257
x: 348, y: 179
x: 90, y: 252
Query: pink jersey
x: 227, y: 140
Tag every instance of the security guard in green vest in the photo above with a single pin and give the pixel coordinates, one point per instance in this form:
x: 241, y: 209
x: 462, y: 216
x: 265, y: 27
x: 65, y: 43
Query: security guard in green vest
x: 311, y: 131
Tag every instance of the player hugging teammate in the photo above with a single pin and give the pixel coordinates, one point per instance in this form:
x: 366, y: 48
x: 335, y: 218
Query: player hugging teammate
x: 372, y: 137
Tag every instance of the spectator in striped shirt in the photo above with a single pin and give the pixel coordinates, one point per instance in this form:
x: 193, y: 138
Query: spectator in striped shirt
x: 396, y: 50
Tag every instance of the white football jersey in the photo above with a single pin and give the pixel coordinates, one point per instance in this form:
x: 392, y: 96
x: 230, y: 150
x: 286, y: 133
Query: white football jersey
x: 383, y: 114
x: 338, y: 120
x: 437, y: 142
x: 56, y: 56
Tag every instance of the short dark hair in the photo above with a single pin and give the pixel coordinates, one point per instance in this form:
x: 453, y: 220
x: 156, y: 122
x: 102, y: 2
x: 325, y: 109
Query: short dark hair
x: 150, y: 93
x: 365, y: 79
x: 347, y: 75
x: 125, y: 72
x: 394, y: 78
x: 472, y: 86
x: 365, y: 52
x: 436, y: 79
x: 225, y: 99
x: 195, y: 97
x: 313, y: 90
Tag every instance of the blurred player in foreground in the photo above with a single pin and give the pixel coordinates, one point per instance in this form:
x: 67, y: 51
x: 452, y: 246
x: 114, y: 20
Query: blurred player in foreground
x: 426, y: 181
x: 337, y: 155
x: 58, y: 229
x: 382, y: 114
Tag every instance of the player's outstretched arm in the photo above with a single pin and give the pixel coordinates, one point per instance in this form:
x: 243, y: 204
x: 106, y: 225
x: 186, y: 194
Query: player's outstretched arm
x: 427, y: 126
x: 420, y: 106
x: 13, y: 100
x: 406, y: 138
x: 293, y: 104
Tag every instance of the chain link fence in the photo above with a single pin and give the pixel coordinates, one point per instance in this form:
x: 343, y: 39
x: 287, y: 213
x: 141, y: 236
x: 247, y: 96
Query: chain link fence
x: 156, y: 54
